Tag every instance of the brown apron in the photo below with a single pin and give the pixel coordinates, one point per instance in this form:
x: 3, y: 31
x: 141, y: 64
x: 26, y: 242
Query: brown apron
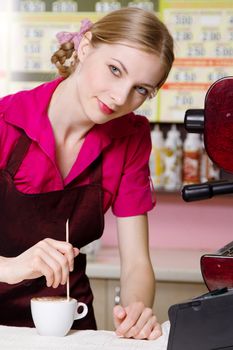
x: 25, y: 219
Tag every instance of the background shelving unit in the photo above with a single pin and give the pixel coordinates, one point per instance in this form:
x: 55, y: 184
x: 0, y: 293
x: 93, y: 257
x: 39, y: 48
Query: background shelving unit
x: 202, y: 30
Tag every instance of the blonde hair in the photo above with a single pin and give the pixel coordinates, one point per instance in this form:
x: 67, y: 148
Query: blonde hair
x: 131, y: 26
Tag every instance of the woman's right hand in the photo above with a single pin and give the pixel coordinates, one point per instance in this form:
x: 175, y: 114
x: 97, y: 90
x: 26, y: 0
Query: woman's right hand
x: 50, y: 258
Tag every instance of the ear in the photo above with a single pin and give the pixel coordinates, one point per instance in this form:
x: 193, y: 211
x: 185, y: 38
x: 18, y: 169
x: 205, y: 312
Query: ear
x: 84, y: 46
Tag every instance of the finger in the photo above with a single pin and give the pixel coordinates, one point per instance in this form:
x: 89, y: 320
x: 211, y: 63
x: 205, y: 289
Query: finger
x: 156, y: 332
x: 51, y: 262
x: 132, y: 315
x: 118, y: 315
x: 76, y: 251
x: 66, y: 249
x: 56, y: 260
x: 147, y: 329
x: 143, y: 321
x: 62, y: 266
x: 44, y: 270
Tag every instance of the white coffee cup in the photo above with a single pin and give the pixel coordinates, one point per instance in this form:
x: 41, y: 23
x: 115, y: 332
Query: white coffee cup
x: 54, y: 316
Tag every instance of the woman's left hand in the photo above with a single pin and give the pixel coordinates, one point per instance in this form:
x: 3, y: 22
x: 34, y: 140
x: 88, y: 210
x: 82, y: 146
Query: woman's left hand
x: 136, y: 321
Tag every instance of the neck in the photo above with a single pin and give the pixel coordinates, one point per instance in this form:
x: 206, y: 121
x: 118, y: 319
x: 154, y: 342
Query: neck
x: 65, y: 115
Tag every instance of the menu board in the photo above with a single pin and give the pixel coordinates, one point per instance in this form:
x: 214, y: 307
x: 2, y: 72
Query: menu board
x: 203, y: 34
x: 202, y: 31
x: 36, y: 38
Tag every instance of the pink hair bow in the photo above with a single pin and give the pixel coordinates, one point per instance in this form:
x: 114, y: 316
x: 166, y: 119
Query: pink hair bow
x: 76, y: 37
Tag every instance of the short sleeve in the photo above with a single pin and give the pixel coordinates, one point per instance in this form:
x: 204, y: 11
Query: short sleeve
x: 135, y: 196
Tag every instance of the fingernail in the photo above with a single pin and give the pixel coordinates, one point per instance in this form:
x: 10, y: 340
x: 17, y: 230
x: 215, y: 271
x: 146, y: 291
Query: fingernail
x: 155, y: 334
x: 119, y: 334
x: 120, y: 314
x: 142, y: 334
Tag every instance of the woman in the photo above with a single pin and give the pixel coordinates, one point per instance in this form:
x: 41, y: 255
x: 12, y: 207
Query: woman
x: 70, y: 149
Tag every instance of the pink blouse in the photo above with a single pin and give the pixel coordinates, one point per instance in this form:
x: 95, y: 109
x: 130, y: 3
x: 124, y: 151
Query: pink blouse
x: 124, y: 142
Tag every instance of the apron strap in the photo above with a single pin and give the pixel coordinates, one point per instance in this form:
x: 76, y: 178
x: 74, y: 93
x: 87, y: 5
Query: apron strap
x: 18, y: 154
x: 96, y: 171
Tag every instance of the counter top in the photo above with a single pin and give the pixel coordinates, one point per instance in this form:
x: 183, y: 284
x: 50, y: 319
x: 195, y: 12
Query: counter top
x: 22, y: 338
x: 169, y: 265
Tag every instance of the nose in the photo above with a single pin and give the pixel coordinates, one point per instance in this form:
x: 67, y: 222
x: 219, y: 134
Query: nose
x: 120, y: 94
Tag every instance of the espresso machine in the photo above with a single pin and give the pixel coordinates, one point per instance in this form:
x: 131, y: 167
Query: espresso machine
x: 206, y: 322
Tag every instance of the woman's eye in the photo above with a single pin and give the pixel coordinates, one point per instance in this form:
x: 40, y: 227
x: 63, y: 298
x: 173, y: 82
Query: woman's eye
x: 114, y: 70
x: 143, y: 91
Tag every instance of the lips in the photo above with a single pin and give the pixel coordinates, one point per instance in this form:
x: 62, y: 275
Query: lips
x: 104, y: 108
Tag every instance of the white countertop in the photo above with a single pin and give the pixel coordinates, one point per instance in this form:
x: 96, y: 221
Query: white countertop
x: 169, y: 265
x: 22, y: 338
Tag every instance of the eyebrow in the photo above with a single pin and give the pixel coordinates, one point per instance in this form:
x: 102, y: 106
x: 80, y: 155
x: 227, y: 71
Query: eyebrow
x: 122, y: 66
x: 125, y: 70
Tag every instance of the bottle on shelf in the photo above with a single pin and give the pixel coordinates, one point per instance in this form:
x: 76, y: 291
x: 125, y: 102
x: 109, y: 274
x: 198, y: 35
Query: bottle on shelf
x: 32, y: 6
x: 107, y: 6
x: 143, y: 4
x: 64, y: 6
x: 209, y: 171
x: 157, y: 157
x: 192, y: 154
x: 173, y: 160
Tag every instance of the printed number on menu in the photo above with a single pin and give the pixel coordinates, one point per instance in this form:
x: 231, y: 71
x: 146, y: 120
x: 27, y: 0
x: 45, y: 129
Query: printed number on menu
x: 32, y: 48
x: 185, y: 76
x: 214, y: 76
x: 183, y: 36
x: 33, y: 32
x: 183, y: 19
x: 196, y: 51
x: 183, y: 100
x: 224, y: 51
x: 32, y: 65
x: 210, y: 36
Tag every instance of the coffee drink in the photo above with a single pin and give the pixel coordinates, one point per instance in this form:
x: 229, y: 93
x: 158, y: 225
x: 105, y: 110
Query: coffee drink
x: 54, y: 316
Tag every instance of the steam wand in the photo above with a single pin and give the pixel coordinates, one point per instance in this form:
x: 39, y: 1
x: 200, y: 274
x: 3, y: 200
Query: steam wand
x: 206, y: 190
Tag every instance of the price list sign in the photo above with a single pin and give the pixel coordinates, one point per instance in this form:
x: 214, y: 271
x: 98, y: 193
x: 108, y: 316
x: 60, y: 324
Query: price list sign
x: 36, y: 38
x: 203, y: 35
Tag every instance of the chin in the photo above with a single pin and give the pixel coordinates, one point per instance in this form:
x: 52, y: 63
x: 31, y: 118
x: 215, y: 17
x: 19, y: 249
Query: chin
x: 100, y: 118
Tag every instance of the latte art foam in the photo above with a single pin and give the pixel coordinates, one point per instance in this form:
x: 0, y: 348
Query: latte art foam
x: 52, y: 298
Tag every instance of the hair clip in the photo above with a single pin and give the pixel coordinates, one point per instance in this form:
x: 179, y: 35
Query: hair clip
x: 75, y: 37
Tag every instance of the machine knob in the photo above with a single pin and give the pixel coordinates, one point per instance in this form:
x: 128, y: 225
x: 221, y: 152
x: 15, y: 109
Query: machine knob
x: 194, y: 120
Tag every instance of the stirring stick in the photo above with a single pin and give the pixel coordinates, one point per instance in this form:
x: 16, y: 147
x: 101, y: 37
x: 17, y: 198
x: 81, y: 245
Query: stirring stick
x: 68, y: 278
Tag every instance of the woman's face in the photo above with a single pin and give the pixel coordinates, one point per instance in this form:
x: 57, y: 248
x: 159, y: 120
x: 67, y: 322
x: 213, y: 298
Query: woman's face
x: 113, y: 80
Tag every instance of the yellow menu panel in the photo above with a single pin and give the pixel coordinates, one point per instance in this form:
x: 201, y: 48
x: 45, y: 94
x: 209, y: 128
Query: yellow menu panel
x: 203, y: 34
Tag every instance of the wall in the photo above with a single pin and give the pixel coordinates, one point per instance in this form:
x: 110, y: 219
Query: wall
x: 176, y: 224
